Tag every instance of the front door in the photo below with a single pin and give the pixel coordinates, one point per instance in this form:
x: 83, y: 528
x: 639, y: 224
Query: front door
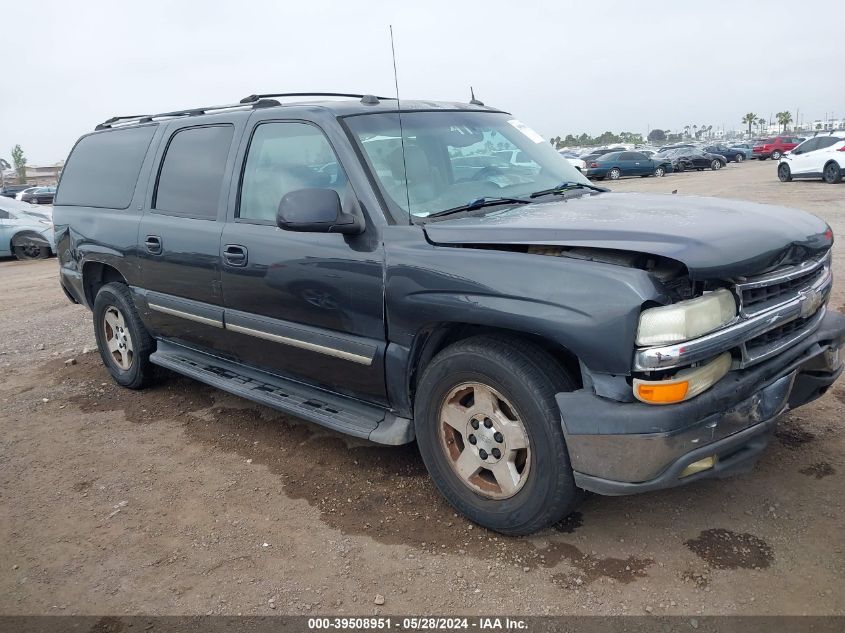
x: 303, y: 305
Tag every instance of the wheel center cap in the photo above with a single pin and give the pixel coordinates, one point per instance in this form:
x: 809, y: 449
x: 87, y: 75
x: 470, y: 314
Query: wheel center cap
x: 488, y: 449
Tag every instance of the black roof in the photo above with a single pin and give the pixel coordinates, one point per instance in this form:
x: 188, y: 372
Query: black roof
x: 352, y: 104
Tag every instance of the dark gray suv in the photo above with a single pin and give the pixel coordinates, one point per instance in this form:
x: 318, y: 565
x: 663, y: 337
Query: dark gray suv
x: 381, y: 273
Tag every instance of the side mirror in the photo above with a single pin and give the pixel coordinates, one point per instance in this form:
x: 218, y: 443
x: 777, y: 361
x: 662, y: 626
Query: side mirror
x: 315, y: 211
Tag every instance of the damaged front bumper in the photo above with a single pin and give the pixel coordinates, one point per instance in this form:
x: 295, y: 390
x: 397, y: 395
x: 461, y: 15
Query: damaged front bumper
x: 619, y: 448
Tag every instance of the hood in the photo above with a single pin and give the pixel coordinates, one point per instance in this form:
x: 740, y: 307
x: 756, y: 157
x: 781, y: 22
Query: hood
x: 713, y: 237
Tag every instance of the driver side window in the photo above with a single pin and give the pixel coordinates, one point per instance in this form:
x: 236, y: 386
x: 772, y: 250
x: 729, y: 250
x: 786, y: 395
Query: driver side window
x: 284, y: 157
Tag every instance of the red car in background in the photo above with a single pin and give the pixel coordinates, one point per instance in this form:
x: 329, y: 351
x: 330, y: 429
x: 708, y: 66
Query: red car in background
x: 775, y: 147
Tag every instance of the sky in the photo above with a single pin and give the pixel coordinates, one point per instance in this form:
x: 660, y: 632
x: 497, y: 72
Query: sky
x: 561, y: 67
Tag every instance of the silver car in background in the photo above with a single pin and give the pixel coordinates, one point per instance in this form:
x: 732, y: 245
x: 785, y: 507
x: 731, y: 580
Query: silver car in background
x: 26, y: 231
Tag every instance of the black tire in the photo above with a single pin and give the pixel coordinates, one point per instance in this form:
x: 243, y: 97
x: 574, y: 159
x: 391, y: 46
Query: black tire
x: 739, y: 158
x: 141, y: 371
x: 660, y: 171
x: 762, y: 157
x: 614, y: 174
x: 832, y: 173
x: 776, y: 155
x: 526, y: 376
x: 680, y: 168
x: 27, y: 246
x: 784, y: 173
x: 716, y: 164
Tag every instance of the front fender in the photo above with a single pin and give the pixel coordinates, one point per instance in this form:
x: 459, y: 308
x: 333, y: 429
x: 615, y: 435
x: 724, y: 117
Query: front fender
x: 590, y: 308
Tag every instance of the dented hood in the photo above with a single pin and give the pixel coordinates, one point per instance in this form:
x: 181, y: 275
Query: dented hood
x: 713, y: 237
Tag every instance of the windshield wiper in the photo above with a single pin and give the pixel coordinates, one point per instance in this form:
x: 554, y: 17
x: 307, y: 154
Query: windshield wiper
x: 566, y: 186
x: 486, y: 201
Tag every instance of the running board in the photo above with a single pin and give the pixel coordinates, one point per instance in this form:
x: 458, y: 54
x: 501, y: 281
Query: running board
x: 334, y: 411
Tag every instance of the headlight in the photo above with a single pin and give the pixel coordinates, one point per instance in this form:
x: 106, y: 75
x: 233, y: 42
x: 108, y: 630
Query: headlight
x: 684, y: 385
x: 686, y: 320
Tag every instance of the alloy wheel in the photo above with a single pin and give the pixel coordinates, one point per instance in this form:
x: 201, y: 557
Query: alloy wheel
x: 484, y: 441
x: 118, y: 338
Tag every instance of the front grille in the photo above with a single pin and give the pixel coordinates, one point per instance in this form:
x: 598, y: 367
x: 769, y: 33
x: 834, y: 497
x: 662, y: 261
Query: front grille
x: 804, y: 283
x: 776, y: 334
x: 758, y: 294
x: 785, y: 289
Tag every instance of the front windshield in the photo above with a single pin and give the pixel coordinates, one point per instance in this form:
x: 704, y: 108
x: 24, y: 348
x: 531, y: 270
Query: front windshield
x: 455, y: 157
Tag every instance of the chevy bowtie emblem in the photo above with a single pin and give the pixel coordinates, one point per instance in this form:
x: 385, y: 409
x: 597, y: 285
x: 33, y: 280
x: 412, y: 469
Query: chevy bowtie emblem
x: 810, y: 303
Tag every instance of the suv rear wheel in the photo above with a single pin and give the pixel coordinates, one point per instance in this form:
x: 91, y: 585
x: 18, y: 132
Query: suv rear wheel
x: 776, y: 155
x: 124, y: 343
x: 489, y: 432
x: 784, y: 173
x: 832, y: 173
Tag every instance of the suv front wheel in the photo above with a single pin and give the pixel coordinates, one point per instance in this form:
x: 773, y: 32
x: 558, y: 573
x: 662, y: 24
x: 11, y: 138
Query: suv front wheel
x: 489, y: 432
x: 123, y: 341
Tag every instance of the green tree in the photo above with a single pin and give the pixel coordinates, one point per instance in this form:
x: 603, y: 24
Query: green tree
x: 784, y: 118
x: 761, y: 122
x: 750, y: 119
x: 20, y: 163
x: 656, y: 136
x: 818, y: 126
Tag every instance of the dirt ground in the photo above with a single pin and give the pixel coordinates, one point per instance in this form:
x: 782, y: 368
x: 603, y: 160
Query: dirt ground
x: 185, y: 500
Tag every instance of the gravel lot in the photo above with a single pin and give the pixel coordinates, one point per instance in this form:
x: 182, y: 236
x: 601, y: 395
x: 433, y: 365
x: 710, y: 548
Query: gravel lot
x: 185, y: 500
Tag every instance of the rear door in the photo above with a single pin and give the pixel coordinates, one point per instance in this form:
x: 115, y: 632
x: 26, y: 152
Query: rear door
x: 179, y: 236
x: 305, y: 305
x: 629, y: 164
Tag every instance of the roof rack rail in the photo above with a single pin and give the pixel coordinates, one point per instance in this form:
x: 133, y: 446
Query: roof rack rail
x: 254, y: 98
x: 148, y: 118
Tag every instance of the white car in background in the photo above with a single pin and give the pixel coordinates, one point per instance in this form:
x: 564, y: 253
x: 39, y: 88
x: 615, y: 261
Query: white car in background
x: 517, y: 158
x: 822, y: 156
x: 574, y: 160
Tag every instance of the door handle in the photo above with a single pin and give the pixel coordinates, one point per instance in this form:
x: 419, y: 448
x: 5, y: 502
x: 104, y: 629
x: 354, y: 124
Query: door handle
x: 235, y: 254
x: 153, y: 244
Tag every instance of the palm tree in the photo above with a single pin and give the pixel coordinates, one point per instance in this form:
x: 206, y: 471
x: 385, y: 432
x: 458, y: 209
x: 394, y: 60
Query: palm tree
x: 749, y: 119
x: 760, y: 123
x: 686, y: 130
x: 784, y: 119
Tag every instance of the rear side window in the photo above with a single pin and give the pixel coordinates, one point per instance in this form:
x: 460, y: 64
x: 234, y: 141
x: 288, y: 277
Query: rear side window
x: 192, y: 172
x: 103, y: 168
x: 826, y: 141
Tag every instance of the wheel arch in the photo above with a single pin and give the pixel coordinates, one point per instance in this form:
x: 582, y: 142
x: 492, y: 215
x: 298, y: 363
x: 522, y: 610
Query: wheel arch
x: 832, y: 161
x: 27, y: 233
x: 435, y: 337
x: 97, y: 274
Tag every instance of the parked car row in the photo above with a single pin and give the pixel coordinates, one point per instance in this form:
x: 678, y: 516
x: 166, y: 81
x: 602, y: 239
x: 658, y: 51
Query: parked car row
x: 32, y: 195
